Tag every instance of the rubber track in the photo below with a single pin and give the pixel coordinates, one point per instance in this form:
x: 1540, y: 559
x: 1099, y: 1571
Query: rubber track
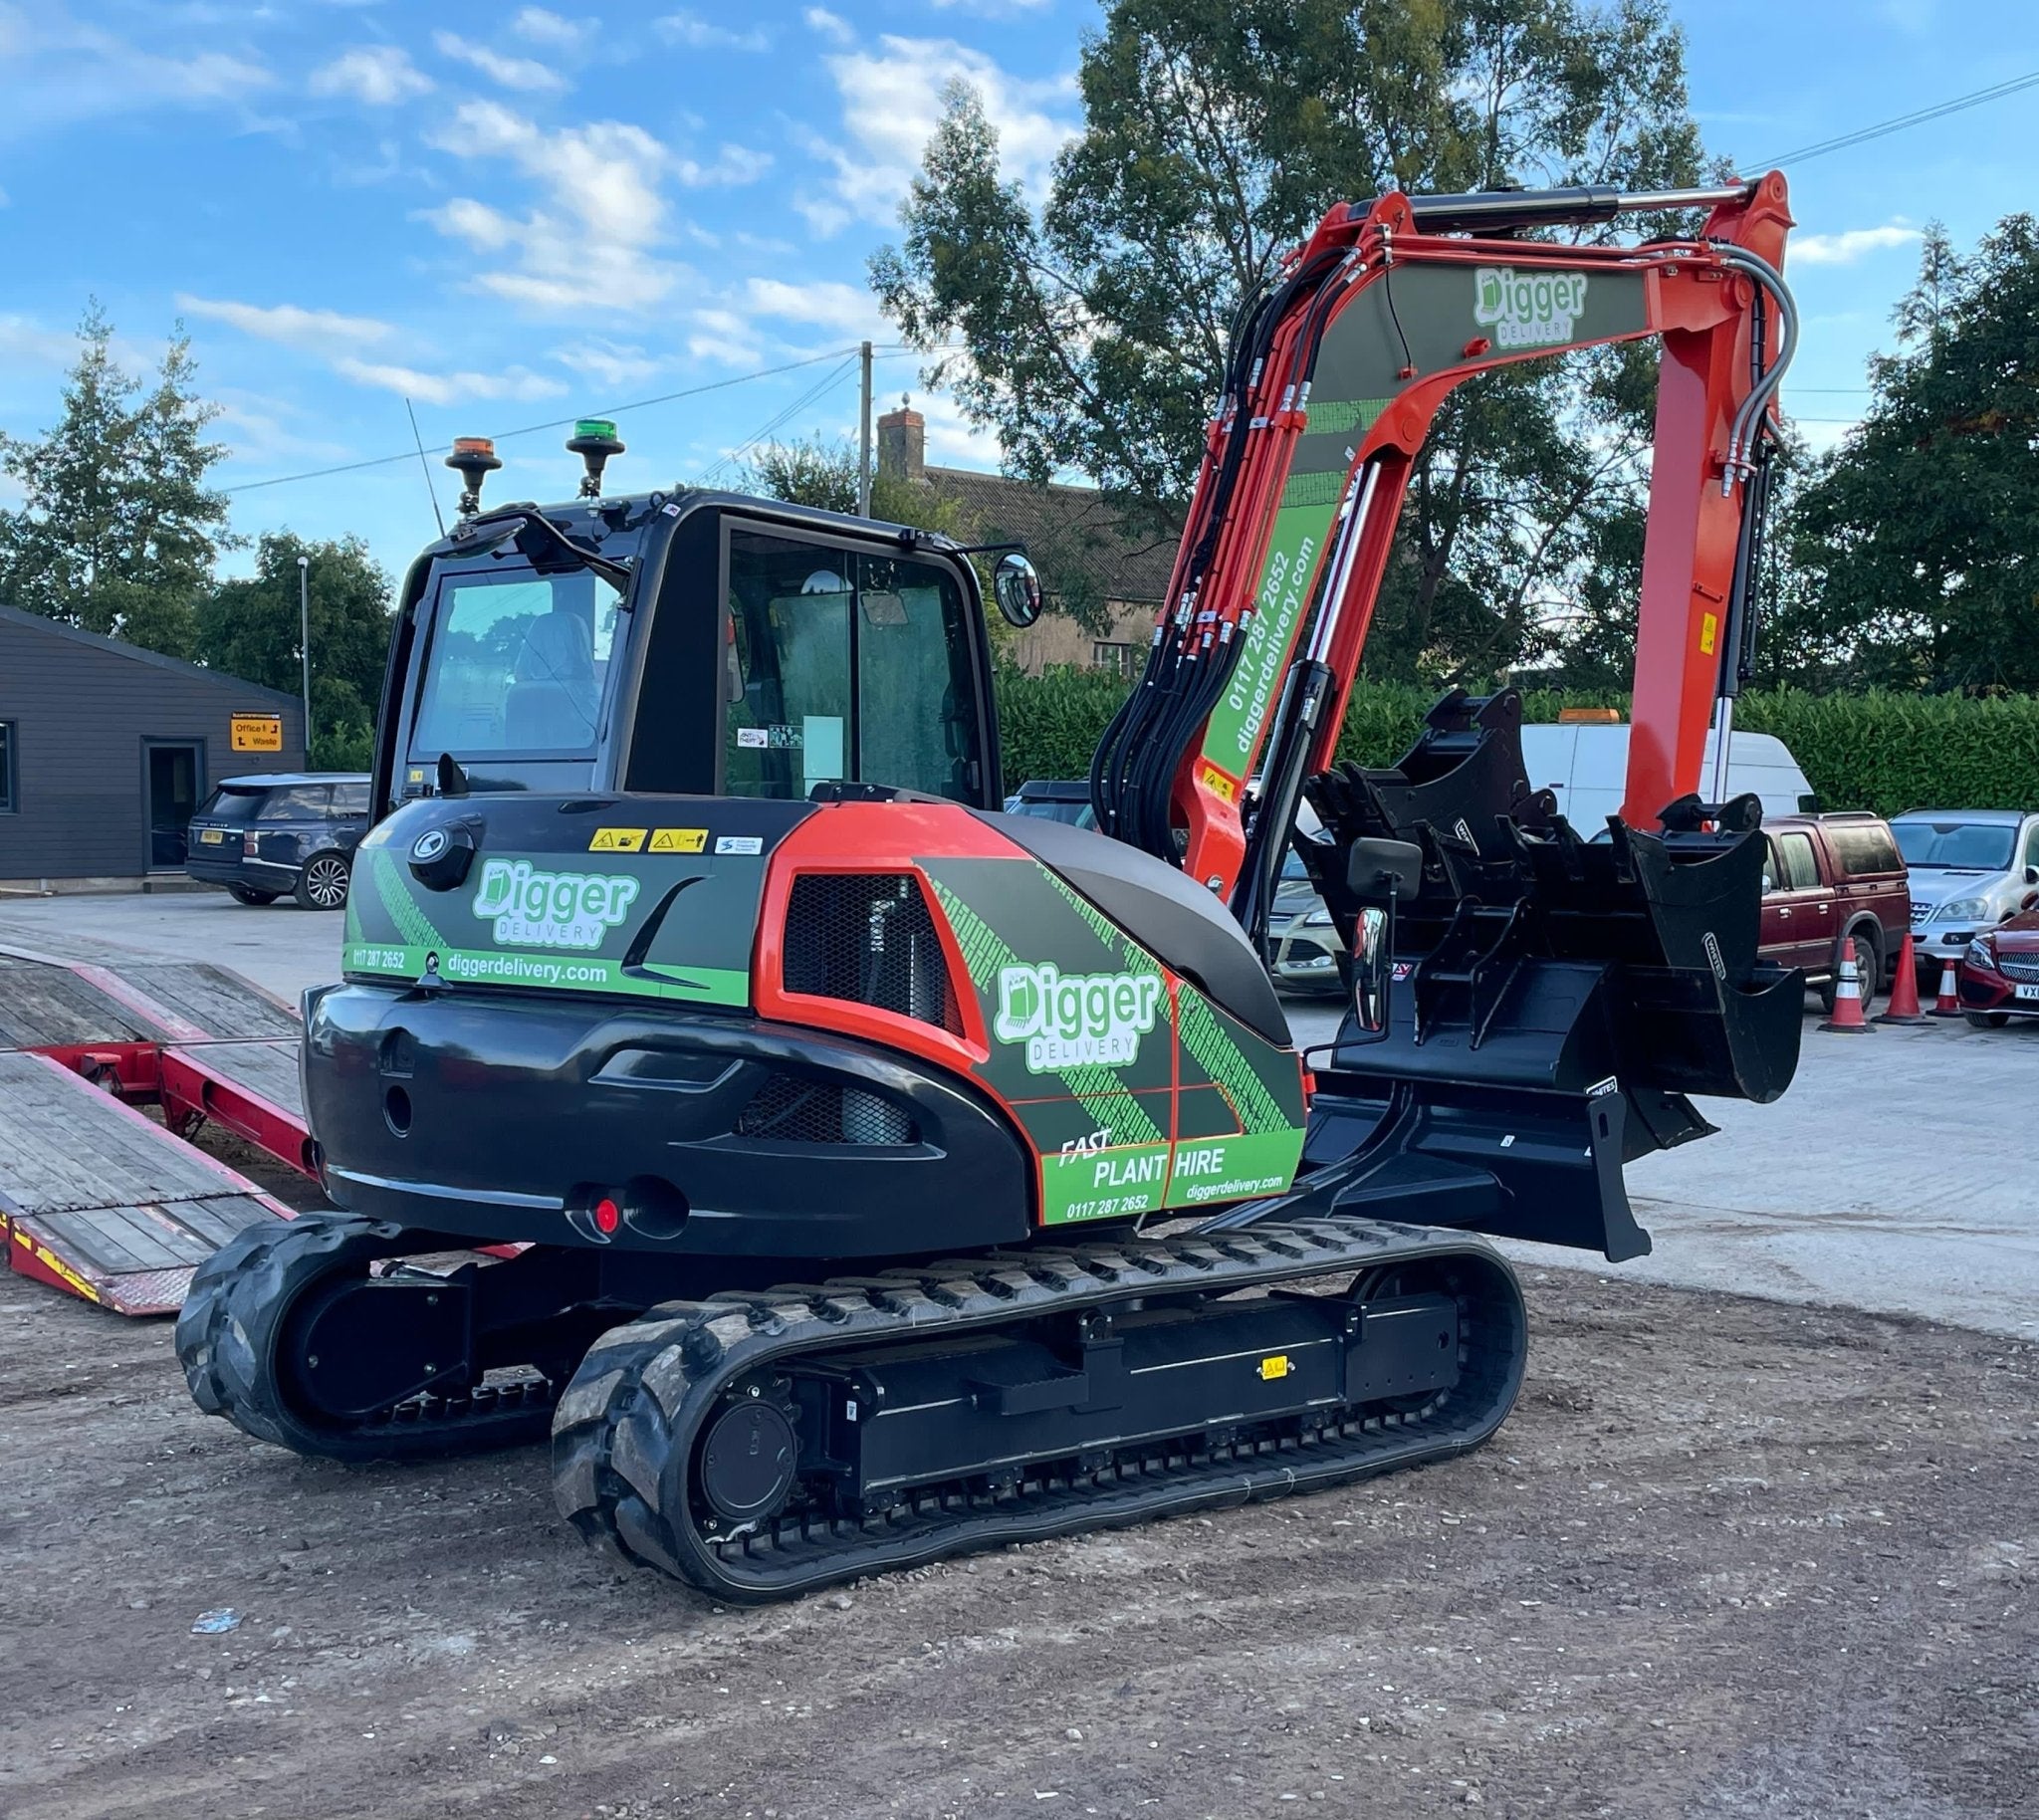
x: 625, y: 1429
x: 227, y: 1335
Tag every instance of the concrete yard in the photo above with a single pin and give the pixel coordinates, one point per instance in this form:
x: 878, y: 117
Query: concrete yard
x: 1732, y: 1556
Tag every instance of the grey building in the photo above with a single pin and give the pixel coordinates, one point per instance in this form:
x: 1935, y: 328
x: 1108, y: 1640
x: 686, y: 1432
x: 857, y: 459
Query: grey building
x: 105, y: 750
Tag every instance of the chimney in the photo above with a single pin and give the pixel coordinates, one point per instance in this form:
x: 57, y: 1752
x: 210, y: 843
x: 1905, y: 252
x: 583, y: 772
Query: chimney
x: 903, y: 443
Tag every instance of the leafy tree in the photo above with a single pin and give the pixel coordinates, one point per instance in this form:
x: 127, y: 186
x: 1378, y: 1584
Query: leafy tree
x: 1215, y: 134
x: 118, y: 531
x: 823, y: 474
x: 250, y: 627
x: 1915, y: 543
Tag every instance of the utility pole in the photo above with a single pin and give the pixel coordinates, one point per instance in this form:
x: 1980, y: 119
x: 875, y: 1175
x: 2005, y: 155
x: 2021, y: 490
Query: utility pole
x: 304, y: 646
x: 863, y: 448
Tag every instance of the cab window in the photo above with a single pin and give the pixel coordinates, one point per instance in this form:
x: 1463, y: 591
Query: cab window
x: 842, y: 665
x: 515, y: 664
x: 1801, y: 869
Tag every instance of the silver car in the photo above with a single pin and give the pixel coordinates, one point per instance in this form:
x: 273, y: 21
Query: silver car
x: 1303, y: 948
x: 1969, y: 869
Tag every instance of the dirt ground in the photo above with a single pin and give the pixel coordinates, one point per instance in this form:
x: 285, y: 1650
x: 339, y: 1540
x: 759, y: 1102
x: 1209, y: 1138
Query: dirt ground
x: 1730, y: 1557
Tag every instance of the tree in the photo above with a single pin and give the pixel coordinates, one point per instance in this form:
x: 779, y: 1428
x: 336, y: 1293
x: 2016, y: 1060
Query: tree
x: 117, y: 530
x: 824, y: 475
x: 1215, y: 134
x: 250, y: 627
x: 1915, y: 543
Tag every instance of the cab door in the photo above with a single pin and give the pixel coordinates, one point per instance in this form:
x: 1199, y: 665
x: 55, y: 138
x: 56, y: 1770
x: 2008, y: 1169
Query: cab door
x: 1804, y: 908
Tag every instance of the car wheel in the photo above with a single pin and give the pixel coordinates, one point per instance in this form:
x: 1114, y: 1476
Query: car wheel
x: 1869, y: 966
x: 1987, y: 1020
x: 321, y: 885
x: 246, y: 894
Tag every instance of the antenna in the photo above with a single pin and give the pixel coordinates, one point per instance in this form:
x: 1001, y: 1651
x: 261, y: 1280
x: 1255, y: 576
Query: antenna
x: 425, y: 467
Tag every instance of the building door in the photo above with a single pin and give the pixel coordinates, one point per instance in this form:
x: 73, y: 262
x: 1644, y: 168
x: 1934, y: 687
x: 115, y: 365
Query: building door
x: 176, y: 772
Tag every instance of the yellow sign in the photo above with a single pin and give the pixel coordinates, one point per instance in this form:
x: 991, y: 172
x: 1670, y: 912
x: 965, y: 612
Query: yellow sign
x: 1219, y: 785
x: 1709, y: 628
x: 257, y: 732
x: 1276, y: 1367
x: 679, y: 841
x: 617, y: 841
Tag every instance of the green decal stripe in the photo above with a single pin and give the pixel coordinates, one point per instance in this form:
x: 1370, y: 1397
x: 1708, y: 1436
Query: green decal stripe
x: 412, y: 922
x: 1133, y: 959
x: 983, y: 951
x: 1206, y: 1038
x: 1326, y: 415
x: 1313, y: 489
x: 1232, y: 735
x: 1100, y: 1089
x: 1232, y: 1169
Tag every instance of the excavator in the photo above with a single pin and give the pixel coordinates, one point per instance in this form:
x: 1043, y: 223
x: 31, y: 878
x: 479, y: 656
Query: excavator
x: 847, y: 1175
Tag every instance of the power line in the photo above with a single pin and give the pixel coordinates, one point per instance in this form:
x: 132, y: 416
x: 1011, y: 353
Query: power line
x: 778, y: 419
x: 1938, y: 110
x: 556, y: 423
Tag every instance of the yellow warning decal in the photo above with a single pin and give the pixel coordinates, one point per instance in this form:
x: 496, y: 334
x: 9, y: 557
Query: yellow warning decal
x: 52, y: 1263
x: 617, y: 841
x: 679, y: 841
x: 1709, y: 627
x: 1277, y: 1366
x: 1219, y: 785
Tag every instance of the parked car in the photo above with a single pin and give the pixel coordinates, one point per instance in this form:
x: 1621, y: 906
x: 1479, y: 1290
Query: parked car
x: 1304, y: 947
x: 2000, y: 972
x: 285, y: 833
x: 1053, y: 799
x: 1828, y: 878
x: 1970, y: 870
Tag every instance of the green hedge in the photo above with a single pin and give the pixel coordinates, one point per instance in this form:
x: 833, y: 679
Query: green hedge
x: 1878, y: 751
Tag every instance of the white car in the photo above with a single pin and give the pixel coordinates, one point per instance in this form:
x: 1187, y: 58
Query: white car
x: 1970, y: 868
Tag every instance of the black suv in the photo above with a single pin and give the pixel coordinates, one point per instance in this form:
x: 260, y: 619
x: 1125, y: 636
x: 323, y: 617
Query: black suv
x: 292, y: 831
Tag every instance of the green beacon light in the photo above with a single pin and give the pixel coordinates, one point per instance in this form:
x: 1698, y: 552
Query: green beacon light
x: 595, y: 440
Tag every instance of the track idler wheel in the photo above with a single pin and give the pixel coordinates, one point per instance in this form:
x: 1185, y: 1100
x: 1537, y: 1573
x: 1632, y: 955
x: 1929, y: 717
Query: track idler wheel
x: 259, y: 1307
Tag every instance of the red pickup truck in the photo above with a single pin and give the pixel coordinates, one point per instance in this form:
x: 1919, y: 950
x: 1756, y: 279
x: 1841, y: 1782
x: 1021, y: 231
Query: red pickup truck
x: 1830, y: 878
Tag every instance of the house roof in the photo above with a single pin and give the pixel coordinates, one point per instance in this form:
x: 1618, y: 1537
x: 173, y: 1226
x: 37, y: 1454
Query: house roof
x: 1072, y: 535
x: 120, y: 647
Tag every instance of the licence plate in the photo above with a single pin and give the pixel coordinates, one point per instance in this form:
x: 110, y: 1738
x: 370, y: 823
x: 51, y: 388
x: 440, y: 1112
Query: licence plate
x: 211, y: 836
x: 2028, y: 992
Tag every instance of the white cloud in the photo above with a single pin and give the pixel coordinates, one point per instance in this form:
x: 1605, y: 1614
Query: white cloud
x: 314, y: 330
x: 891, y: 104
x: 608, y: 363
x: 447, y: 387
x: 536, y: 25
x: 60, y: 71
x: 724, y: 335
x: 378, y: 76
x: 1852, y: 244
x: 693, y: 33
x: 824, y: 303
x: 829, y: 25
x: 511, y: 71
x: 593, y: 240
x: 990, y: 7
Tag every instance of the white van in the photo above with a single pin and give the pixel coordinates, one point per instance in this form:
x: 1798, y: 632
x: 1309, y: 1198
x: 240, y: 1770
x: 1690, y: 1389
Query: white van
x: 1586, y: 767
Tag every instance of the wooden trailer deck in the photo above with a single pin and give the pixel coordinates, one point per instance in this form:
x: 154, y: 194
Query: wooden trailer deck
x: 96, y: 1197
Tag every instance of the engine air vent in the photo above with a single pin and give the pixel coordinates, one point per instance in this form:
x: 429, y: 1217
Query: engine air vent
x: 870, y: 938
x: 787, y: 1109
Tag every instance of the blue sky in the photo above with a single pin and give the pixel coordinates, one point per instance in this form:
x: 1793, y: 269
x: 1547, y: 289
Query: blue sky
x: 516, y: 213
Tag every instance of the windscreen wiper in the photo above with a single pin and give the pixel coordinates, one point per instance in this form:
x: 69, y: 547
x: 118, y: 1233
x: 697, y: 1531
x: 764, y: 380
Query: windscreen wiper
x: 553, y: 543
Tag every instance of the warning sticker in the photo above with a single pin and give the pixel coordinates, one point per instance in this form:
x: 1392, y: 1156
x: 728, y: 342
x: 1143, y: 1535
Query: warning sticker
x: 1219, y: 785
x: 1709, y: 630
x: 617, y: 841
x: 679, y: 841
x: 749, y: 736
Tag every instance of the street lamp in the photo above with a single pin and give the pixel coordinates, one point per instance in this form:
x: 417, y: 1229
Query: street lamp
x: 304, y: 646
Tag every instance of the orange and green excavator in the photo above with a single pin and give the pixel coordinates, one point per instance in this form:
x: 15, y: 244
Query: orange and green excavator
x: 865, y: 1175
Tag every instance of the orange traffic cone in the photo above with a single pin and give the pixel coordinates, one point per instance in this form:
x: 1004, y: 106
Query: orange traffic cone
x: 1948, y: 1003
x: 1846, y: 1015
x: 1904, y: 1005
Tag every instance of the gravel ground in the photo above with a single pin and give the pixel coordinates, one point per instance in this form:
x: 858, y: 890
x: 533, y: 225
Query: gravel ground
x: 1730, y: 1557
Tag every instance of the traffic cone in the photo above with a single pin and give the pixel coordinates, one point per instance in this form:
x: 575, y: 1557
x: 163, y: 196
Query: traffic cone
x: 1846, y: 1015
x: 1904, y: 1005
x: 1948, y: 1003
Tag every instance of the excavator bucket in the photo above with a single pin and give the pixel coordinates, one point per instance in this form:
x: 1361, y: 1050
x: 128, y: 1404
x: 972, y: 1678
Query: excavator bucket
x: 1552, y: 1001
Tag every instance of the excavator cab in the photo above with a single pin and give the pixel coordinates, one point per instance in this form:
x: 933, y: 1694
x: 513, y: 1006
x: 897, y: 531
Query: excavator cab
x: 692, y: 643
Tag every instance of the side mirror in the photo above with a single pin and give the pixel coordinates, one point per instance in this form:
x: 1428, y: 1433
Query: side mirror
x: 1378, y: 872
x: 1016, y: 584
